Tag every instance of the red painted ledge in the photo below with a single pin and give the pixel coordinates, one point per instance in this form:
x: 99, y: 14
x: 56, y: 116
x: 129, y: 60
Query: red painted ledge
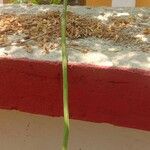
x: 112, y: 95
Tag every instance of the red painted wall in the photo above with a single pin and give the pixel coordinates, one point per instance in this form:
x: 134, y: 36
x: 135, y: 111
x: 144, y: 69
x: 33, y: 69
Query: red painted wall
x: 117, y: 96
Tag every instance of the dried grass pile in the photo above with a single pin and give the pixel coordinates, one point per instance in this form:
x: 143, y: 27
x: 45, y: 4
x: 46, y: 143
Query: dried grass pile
x: 44, y: 29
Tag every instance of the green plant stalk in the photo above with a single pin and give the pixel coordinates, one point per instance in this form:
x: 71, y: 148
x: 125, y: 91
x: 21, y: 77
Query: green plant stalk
x: 65, y: 75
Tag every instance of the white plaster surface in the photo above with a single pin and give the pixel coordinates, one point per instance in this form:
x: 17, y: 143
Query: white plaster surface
x: 23, y: 131
x: 123, y: 3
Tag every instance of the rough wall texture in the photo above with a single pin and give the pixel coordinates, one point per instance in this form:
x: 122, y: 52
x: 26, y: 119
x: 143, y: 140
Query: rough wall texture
x: 98, y: 2
x: 141, y: 3
x: 119, y: 3
x: 96, y: 94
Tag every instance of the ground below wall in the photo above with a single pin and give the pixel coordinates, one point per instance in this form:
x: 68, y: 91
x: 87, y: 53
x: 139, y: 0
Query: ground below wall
x: 35, y: 132
x: 113, y: 95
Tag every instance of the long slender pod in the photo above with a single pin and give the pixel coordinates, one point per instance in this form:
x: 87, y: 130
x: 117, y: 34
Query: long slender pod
x: 65, y: 75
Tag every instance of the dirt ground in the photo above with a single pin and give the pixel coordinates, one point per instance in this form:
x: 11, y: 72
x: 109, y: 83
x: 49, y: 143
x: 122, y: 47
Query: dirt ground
x: 118, y: 37
x: 23, y: 131
x: 44, y: 29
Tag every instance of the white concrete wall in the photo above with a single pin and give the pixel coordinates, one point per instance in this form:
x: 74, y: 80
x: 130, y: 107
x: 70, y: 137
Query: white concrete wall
x: 123, y: 3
